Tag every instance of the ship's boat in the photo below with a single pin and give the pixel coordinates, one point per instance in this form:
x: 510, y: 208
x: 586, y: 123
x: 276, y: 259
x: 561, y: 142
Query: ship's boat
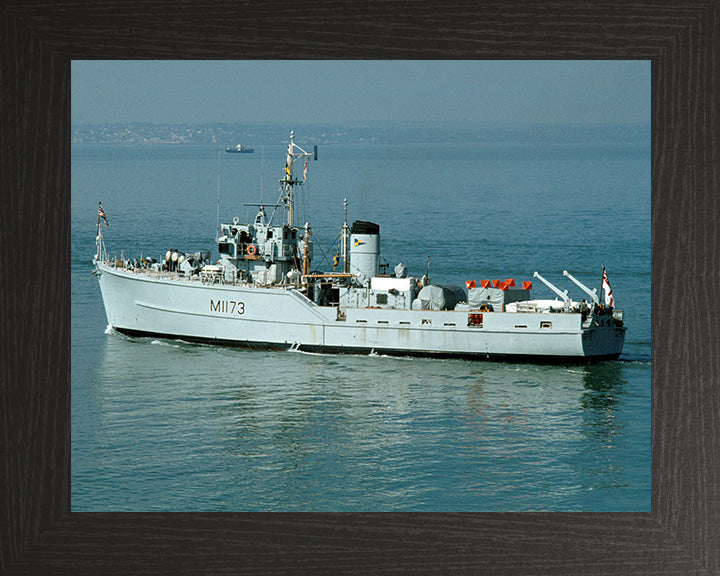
x: 262, y: 292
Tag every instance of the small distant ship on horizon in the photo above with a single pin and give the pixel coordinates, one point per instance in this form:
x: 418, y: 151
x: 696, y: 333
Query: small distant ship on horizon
x: 239, y: 149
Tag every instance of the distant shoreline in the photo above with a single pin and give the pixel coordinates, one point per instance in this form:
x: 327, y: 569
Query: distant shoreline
x: 418, y: 133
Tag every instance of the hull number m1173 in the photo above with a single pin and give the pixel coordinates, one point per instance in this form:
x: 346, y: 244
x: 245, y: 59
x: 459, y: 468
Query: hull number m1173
x: 227, y: 306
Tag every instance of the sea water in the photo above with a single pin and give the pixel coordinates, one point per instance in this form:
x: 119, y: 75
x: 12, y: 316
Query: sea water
x: 168, y: 425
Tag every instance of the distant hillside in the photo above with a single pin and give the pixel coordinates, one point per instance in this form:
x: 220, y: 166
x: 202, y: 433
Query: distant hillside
x: 229, y: 134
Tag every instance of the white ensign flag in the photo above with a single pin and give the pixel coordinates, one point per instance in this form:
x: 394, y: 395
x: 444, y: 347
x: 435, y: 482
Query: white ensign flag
x: 608, y: 291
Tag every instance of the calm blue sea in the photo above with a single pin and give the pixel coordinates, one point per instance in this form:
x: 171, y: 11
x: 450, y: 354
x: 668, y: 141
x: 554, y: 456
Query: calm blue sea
x: 166, y: 425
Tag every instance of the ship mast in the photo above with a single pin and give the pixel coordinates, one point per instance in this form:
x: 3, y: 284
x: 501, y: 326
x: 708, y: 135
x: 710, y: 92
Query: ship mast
x: 345, y: 239
x: 306, y: 260
x: 288, y: 181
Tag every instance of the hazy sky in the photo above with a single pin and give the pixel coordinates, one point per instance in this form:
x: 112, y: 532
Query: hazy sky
x: 337, y: 92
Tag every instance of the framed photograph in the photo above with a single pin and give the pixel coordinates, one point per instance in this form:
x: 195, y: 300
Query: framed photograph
x: 525, y: 132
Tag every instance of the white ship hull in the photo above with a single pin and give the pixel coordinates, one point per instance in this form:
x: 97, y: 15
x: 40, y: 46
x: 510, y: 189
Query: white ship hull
x: 171, y: 306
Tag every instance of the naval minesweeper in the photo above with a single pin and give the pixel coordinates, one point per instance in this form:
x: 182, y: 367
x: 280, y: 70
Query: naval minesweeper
x: 262, y: 293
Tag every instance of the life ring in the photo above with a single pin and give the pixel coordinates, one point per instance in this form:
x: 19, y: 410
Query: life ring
x: 251, y: 250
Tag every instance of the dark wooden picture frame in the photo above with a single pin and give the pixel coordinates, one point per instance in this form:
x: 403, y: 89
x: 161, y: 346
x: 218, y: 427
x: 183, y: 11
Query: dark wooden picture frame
x: 39, y: 534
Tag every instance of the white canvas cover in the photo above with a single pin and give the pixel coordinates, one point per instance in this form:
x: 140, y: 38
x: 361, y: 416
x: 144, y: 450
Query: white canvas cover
x: 496, y: 297
x: 435, y: 297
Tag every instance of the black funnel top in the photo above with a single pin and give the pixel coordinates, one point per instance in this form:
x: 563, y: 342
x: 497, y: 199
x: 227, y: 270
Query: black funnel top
x: 362, y: 227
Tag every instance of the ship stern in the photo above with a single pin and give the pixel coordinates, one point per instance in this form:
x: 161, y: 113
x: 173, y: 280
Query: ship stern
x: 603, y: 342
